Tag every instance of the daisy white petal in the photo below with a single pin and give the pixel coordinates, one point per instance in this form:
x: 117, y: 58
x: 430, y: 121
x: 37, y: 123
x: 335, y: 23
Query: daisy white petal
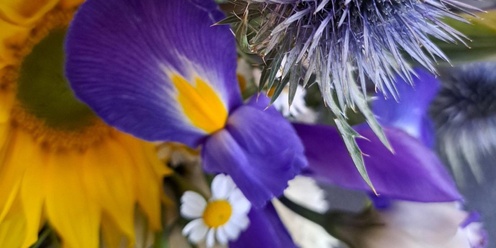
x: 211, y: 238
x: 191, y: 226
x: 222, y: 218
x: 222, y: 185
x: 242, y: 204
x: 193, y: 198
x: 193, y: 205
x: 232, y: 230
x: 241, y: 221
x: 221, y: 236
x: 198, y: 233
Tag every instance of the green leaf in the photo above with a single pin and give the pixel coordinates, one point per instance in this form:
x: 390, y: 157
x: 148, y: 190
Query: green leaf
x: 161, y: 240
x: 349, y: 136
x: 481, y: 31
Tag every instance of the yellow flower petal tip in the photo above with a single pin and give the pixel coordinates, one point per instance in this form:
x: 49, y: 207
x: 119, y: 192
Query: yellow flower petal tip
x: 200, y: 104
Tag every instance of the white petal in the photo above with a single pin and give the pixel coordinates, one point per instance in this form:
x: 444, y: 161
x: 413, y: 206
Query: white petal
x: 192, y: 225
x: 211, y: 238
x: 232, y: 230
x: 198, y: 233
x: 240, y: 204
x: 190, y: 211
x: 305, y: 191
x: 221, y: 235
x: 222, y: 185
x: 192, y: 205
x: 240, y: 221
x: 428, y: 221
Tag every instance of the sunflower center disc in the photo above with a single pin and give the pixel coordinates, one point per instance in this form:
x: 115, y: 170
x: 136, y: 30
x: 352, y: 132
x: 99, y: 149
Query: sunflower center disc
x: 43, y: 90
x: 46, y: 107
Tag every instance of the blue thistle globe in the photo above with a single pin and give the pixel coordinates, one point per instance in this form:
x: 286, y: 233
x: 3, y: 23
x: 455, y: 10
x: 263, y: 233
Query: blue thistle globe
x: 347, y: 43
x: 464, y: 115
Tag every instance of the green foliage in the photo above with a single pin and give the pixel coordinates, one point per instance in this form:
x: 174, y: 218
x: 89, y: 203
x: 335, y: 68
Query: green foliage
x: 481, y: 32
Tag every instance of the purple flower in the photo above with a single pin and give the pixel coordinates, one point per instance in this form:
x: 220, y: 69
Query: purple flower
x: 338, y: 40
x: 417, y: 201
x: 409, y: 112
x: 412, y: 173
x: 160, y: 71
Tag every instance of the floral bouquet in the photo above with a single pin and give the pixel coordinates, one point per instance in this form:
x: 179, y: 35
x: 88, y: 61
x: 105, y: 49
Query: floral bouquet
x: 247, y: 123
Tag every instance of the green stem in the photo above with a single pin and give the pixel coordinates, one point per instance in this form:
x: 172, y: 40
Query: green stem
x: 308, y: 214
x: 43, y: 236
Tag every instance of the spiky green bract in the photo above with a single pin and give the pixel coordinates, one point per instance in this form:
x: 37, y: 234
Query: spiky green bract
x: 341, y: 40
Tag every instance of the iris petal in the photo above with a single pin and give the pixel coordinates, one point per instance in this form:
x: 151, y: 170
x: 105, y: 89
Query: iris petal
x: 412, y: 173
x: 260, y: 160
x: 265, y: 230
x: 148, y: 66
x: 410, y: 112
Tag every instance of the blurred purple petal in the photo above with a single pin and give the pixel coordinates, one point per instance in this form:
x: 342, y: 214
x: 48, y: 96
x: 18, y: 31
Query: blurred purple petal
x: 258, y: 148
x: 265, y: 230
x: 413, y: 173
x: 121, y: 55
x: 473, y: 229
x: 410, y: 111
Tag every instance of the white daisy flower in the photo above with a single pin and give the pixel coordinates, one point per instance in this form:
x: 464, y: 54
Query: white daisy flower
x: 222, y: 218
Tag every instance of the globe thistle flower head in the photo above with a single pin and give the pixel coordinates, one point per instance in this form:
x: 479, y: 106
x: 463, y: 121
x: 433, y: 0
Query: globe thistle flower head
x: 464, y: 114
x: 345, y: 43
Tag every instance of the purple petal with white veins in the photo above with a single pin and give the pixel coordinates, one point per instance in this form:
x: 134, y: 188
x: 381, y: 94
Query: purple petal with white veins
x: 410, y: 112
x: 265, y: 230
x: 122, y: 54
x: 258, y: 148
x: 412, y: 173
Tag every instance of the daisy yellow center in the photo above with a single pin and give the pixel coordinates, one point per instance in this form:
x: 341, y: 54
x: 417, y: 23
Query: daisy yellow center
x: 217, y: 213
x: 45, y: 105
x: 200, y: 104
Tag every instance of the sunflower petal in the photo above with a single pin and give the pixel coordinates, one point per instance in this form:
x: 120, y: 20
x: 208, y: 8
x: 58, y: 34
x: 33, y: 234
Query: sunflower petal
x: 148, y: 172
x: 32, y: 193
x: 259, y: 159
x: 109, y: 181
x: 71, y: 211
x: 412, y: 173
x: 13, y: 227
x: 147, y: 70
x: 15, y: 159
x: 24, y: 12
x: 111, y: 234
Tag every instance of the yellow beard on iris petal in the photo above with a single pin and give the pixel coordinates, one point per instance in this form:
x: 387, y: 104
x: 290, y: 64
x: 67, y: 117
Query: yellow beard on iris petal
x: 80, y: 181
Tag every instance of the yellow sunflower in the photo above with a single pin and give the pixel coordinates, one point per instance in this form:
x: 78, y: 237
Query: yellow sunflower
x: 60, y: 165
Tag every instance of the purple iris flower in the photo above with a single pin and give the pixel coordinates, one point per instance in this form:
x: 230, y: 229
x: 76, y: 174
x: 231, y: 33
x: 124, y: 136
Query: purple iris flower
x: 161, y: 71
x: 414, y: 189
